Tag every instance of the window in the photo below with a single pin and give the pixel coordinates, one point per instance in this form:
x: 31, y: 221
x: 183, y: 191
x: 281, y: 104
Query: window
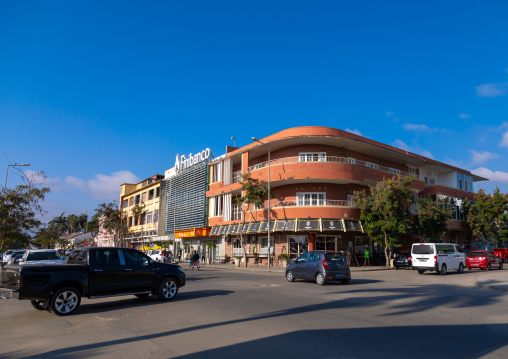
x: 311, y: 198
x: 312, y: 156
x: 143, y: 218
x: 236, y: 213
x: 149, y: 217
x: 107, y: 257
x: 143, y: 197
x: 131, y: 201
x: 157, y: 192
x: 150, y: 194
x: 351, y: 161
x: 351, y: 200
x: 394, y: 171
x: 217, y: 172
x: 135, y: 258
x: 125, y: 203
x: 372, y: 165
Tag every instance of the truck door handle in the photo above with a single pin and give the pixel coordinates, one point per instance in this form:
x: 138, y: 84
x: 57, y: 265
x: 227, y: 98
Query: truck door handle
x: 97, y: 270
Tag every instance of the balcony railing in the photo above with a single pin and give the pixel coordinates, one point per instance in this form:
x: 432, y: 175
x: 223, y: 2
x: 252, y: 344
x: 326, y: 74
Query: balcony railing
x: 305, y: 203
x: 333, y: 159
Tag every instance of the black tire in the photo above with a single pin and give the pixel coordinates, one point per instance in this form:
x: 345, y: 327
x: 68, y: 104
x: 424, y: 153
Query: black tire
x: 444, y: 270
x: 488, y: 266
x: 289, y: 276
x: 39, y: 304
x: 65, y: 301
x: 396, y: 268
x: 461, y: 268
x: 501, y: 266
x: 320, y: 279
x: 420, y: 271
x: 345, y: 281
x: 142, y: 295
x: 168, y: 289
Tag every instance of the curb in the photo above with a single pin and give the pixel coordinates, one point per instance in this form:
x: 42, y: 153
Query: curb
x: 489, y: 287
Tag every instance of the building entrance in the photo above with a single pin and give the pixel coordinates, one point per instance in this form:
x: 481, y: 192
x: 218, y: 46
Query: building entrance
x: 297, y: 246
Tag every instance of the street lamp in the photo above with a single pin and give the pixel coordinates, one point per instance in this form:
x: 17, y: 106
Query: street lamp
x: 14, y: 165
x: 269, y: 196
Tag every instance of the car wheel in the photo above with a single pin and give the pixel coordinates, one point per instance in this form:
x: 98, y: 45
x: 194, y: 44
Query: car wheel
x: 461, y: 268
x: 345, y: 281
x: 501, y: 266
x: 65, y: 301
x: 142, y: 295
x: 420, y: 271
x: 167, y: 289
x: 488, y: 266
x: 443, y: 270
x: 289, y: 276
x: 320, y: 279
x: 396, y: 268
x: 39, y: 304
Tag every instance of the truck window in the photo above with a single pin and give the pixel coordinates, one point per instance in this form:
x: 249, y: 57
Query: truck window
x: 107, y: 257
x: 135, y: 258
x: 77, y: 256
x: 423, y: 249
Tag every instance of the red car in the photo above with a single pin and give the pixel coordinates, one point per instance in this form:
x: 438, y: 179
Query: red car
x: 483, y: 259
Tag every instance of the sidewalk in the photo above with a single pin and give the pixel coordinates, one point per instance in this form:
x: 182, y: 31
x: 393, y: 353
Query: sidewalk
x: 255, y: 268
x: 493, y: 280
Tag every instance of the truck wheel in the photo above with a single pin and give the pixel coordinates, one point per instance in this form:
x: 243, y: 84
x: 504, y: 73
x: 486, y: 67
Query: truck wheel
x: 39, y: 304
x: 168, y: 289
x: 420, y: 271
x: 65, y: 301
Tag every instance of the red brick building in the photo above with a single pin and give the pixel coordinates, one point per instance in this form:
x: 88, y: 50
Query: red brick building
x: 313, y: 174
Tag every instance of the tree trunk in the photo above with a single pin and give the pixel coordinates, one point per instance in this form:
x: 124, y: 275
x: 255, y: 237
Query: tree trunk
x: 387, y: 252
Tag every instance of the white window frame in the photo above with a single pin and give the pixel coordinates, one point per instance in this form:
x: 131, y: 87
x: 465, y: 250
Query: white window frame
x: 309, y: 157
x: 373, y: 165
x: 311, y: 199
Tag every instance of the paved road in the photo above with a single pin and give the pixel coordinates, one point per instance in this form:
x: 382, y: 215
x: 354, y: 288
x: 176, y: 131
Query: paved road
x: 224, y: 313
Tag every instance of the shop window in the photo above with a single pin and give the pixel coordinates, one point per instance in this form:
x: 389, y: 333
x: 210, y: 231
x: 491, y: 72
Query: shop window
x: 325, y: 243
x: 361, y: 243
x: 298, y: 245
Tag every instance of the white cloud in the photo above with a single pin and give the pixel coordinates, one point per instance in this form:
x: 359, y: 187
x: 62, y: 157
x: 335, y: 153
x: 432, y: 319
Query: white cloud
x: 504, y: 141
x: 482, y: 157
x: 464, y: 116
x: 355, y: 131
x: 74, y: 181
x: 418, y: 128
x: 426, y: 154
x: 492, y: 90
x: 495, y: 176
x: 400, y: 144
x: 389, y: 114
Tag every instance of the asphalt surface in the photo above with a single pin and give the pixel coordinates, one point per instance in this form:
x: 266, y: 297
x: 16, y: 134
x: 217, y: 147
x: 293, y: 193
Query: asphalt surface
x: 223, y: 312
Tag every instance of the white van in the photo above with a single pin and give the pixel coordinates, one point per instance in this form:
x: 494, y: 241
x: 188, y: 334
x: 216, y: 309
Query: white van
x: 439, y: 257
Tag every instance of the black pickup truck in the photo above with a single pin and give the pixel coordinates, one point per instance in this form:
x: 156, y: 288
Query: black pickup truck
x: 93, y: 273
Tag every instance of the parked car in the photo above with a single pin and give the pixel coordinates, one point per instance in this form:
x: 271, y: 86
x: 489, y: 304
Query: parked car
x: 5, y: 257
x: 439, y: 257
x: 13, y: 255
x: 93, y: 273
x: 41, y: 256
x: 156, y: 255
x: 501, y: 253
x: 402, y: 260
x: 483, y: 259
x: 321, y: 266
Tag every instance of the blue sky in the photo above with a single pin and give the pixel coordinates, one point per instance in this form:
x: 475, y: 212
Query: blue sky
x: 96, y: 94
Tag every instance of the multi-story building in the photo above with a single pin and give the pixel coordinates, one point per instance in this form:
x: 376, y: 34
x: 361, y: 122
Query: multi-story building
x: 314, y: 172
x: 104, y: 237
x: 142, y: 230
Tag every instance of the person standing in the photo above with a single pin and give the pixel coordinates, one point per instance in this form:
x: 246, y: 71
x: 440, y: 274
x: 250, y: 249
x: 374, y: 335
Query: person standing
x: 202, y: 255
x: 179, y: 254
x: 367, y: 257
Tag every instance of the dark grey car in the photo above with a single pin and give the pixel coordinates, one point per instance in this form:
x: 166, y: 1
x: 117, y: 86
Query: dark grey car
x: 321, y: 266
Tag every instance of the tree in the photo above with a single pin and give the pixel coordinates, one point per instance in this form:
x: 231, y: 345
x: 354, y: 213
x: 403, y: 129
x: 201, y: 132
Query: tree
x: 19, y: 208
x: 255, y: 193
x: 385, y: 211
x: 45, y: 237
x: 72, y: 223
x: 138, y: 211
x: 60, y: 223
x: 432, y: 219
x: 487, y: 216
x: 92, y: 226
x: 112, y: 221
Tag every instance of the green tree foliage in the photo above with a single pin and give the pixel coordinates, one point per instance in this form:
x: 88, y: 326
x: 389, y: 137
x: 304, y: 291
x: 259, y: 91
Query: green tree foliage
x: 45, y: 237
x: 60, y: 223
x: 254, y: 192
x: 487, y: 218
x: 113, y: 221
x: 19, y: 209
x: 385, y: 211
x: 432, y: 219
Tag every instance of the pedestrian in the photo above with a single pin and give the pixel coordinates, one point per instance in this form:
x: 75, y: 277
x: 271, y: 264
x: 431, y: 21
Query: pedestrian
x: 170, y: 257
x: 179, y: 254
x: 367, y: 257
x: 203, y: 255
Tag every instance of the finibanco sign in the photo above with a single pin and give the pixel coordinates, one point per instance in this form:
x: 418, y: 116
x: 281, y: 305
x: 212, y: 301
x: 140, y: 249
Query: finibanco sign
x: 183, y: 162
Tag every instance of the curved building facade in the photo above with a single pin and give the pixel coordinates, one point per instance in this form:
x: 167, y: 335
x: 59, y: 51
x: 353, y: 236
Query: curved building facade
x: 313, y: 172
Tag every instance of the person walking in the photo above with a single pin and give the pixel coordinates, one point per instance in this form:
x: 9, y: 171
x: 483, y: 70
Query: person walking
x: 367, y: 257
x: 179, y: 254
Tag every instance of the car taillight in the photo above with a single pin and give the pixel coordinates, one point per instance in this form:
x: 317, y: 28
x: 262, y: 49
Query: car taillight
x: 435, y: 259
x: 325, y: 264
x: 409, y: 258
